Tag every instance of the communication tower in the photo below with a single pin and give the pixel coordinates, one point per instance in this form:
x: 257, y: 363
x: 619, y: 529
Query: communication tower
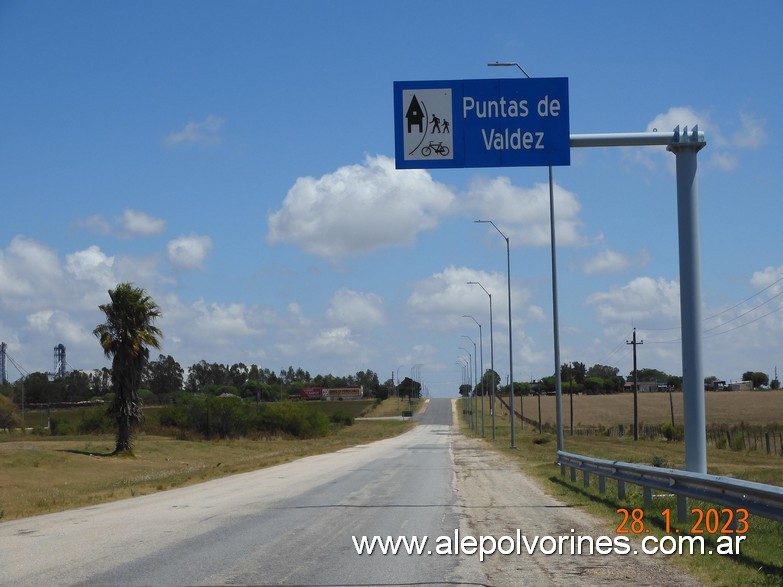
x: 3, y: 368
x: 59, y: 361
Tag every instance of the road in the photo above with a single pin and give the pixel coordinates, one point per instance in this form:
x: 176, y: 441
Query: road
x: 286, y: 525
x: 293, y: 525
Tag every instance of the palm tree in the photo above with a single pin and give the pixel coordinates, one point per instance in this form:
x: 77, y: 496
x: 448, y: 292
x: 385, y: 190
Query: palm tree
x: 125, y: 337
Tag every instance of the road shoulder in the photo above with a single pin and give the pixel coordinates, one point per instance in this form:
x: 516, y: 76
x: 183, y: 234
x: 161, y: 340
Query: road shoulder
x: 497, y: 499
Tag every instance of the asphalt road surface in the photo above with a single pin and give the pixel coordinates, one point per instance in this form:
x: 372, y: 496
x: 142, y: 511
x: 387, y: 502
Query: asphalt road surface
x: 286, y: 525
x: 294, y: 524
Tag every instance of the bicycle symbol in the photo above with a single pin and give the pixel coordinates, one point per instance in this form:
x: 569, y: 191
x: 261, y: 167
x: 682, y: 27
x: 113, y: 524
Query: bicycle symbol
x: 438, y: 148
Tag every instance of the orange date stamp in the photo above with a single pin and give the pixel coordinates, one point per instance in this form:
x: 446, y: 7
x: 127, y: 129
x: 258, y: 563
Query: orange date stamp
x: 705, y: 521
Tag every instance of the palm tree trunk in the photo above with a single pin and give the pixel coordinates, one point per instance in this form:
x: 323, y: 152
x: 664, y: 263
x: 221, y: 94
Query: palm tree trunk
x: 123, y: 434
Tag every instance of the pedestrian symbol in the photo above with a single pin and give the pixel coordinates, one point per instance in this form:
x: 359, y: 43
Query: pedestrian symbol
x: 427, y: 124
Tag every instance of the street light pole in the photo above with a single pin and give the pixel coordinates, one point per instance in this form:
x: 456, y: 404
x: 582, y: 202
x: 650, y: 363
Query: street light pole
x: 461, y: 362
x: 491, y: 357
x: 475, y: 378
x: 470, y: 378
x: 510, y: 347
x: 555, y: 311
x: 481, y: 346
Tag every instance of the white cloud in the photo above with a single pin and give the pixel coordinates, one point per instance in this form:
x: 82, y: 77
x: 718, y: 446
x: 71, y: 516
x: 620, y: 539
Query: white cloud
x: 198, y: 133
x: 769, y: 277
x: 216, y: 320
x: 441, y: 300
x: 189, y: 252
x: 356, y: 309
x: 334, y: 341
x: 359, y: 208
x: 95, y: 223
x: 59, y: 325
x: 644, y: 298
x: 752, y: 134
x: 136, y: 223
x: 724, y: 161
x: 91, y: 264
x: 525, y: 211
x: 606, y: 261
x: 722, y: 154
x: 28, y: 270
x: 682, y: 116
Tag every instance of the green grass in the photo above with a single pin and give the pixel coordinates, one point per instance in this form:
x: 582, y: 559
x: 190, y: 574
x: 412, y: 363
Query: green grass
x: 761, y: 559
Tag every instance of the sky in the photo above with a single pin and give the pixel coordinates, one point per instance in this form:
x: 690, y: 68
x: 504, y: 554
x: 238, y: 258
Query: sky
x: 236, y: 160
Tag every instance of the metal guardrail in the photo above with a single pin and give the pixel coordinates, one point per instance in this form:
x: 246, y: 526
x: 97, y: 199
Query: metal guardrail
x: 758, y: 498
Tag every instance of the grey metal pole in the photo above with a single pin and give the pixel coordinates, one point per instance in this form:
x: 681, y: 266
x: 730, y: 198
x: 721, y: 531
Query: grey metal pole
x: 491, y: 359
x: 470, y: 378
x: 475, y: 372
x: 511, y: 355
x: 481, y: 346
x: 685, y: 148
x: 510, y: 346
x: 555, y: 317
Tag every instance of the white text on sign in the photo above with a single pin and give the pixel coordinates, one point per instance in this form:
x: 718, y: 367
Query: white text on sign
x: 500, y: 140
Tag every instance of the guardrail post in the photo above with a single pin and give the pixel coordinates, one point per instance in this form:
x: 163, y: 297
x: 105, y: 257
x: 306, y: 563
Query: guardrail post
x: 621, y: 490
x: 586, y: 478
x: 601, y: 484
x: 647, y: 496
x: 573, y: 474
x: 682, y: 509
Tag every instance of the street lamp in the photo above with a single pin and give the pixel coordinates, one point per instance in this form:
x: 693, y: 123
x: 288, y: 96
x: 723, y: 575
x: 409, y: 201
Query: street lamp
x: 475, y: 377
x: 508, y: 64
x: 466, y: 400
x: 481, y: 346
x: 470, y: 378
x: 510, y: 351
x: 491, y: 357
x: 555, y: 311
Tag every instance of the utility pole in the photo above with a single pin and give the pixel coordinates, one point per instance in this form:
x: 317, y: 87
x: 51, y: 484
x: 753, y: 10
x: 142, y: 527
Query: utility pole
x: 634, y: 342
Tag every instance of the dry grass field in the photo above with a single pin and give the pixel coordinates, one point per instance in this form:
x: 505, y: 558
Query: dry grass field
x: 47, y: 474
x: 755, y: 408
x: 761, y: 561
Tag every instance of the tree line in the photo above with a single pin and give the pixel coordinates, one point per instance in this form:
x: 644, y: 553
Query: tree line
x: 599, y: 379
x: 163, y: 378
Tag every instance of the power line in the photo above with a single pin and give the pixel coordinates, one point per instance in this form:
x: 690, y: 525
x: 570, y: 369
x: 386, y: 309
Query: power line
x: 721, y: 313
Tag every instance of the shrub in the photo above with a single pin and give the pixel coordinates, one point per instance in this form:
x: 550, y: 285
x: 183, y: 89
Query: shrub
x: 96, y: 421
x: 294, y: 418
x: 659, y: 461
x: 672, y: 432
x: 60, y: 427
x: 9, y: 416
x: 230, y: 417
x: 737, y: 441
x: 342, y: 418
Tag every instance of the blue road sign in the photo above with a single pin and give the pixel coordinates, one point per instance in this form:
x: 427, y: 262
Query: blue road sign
x: 482, y: 123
